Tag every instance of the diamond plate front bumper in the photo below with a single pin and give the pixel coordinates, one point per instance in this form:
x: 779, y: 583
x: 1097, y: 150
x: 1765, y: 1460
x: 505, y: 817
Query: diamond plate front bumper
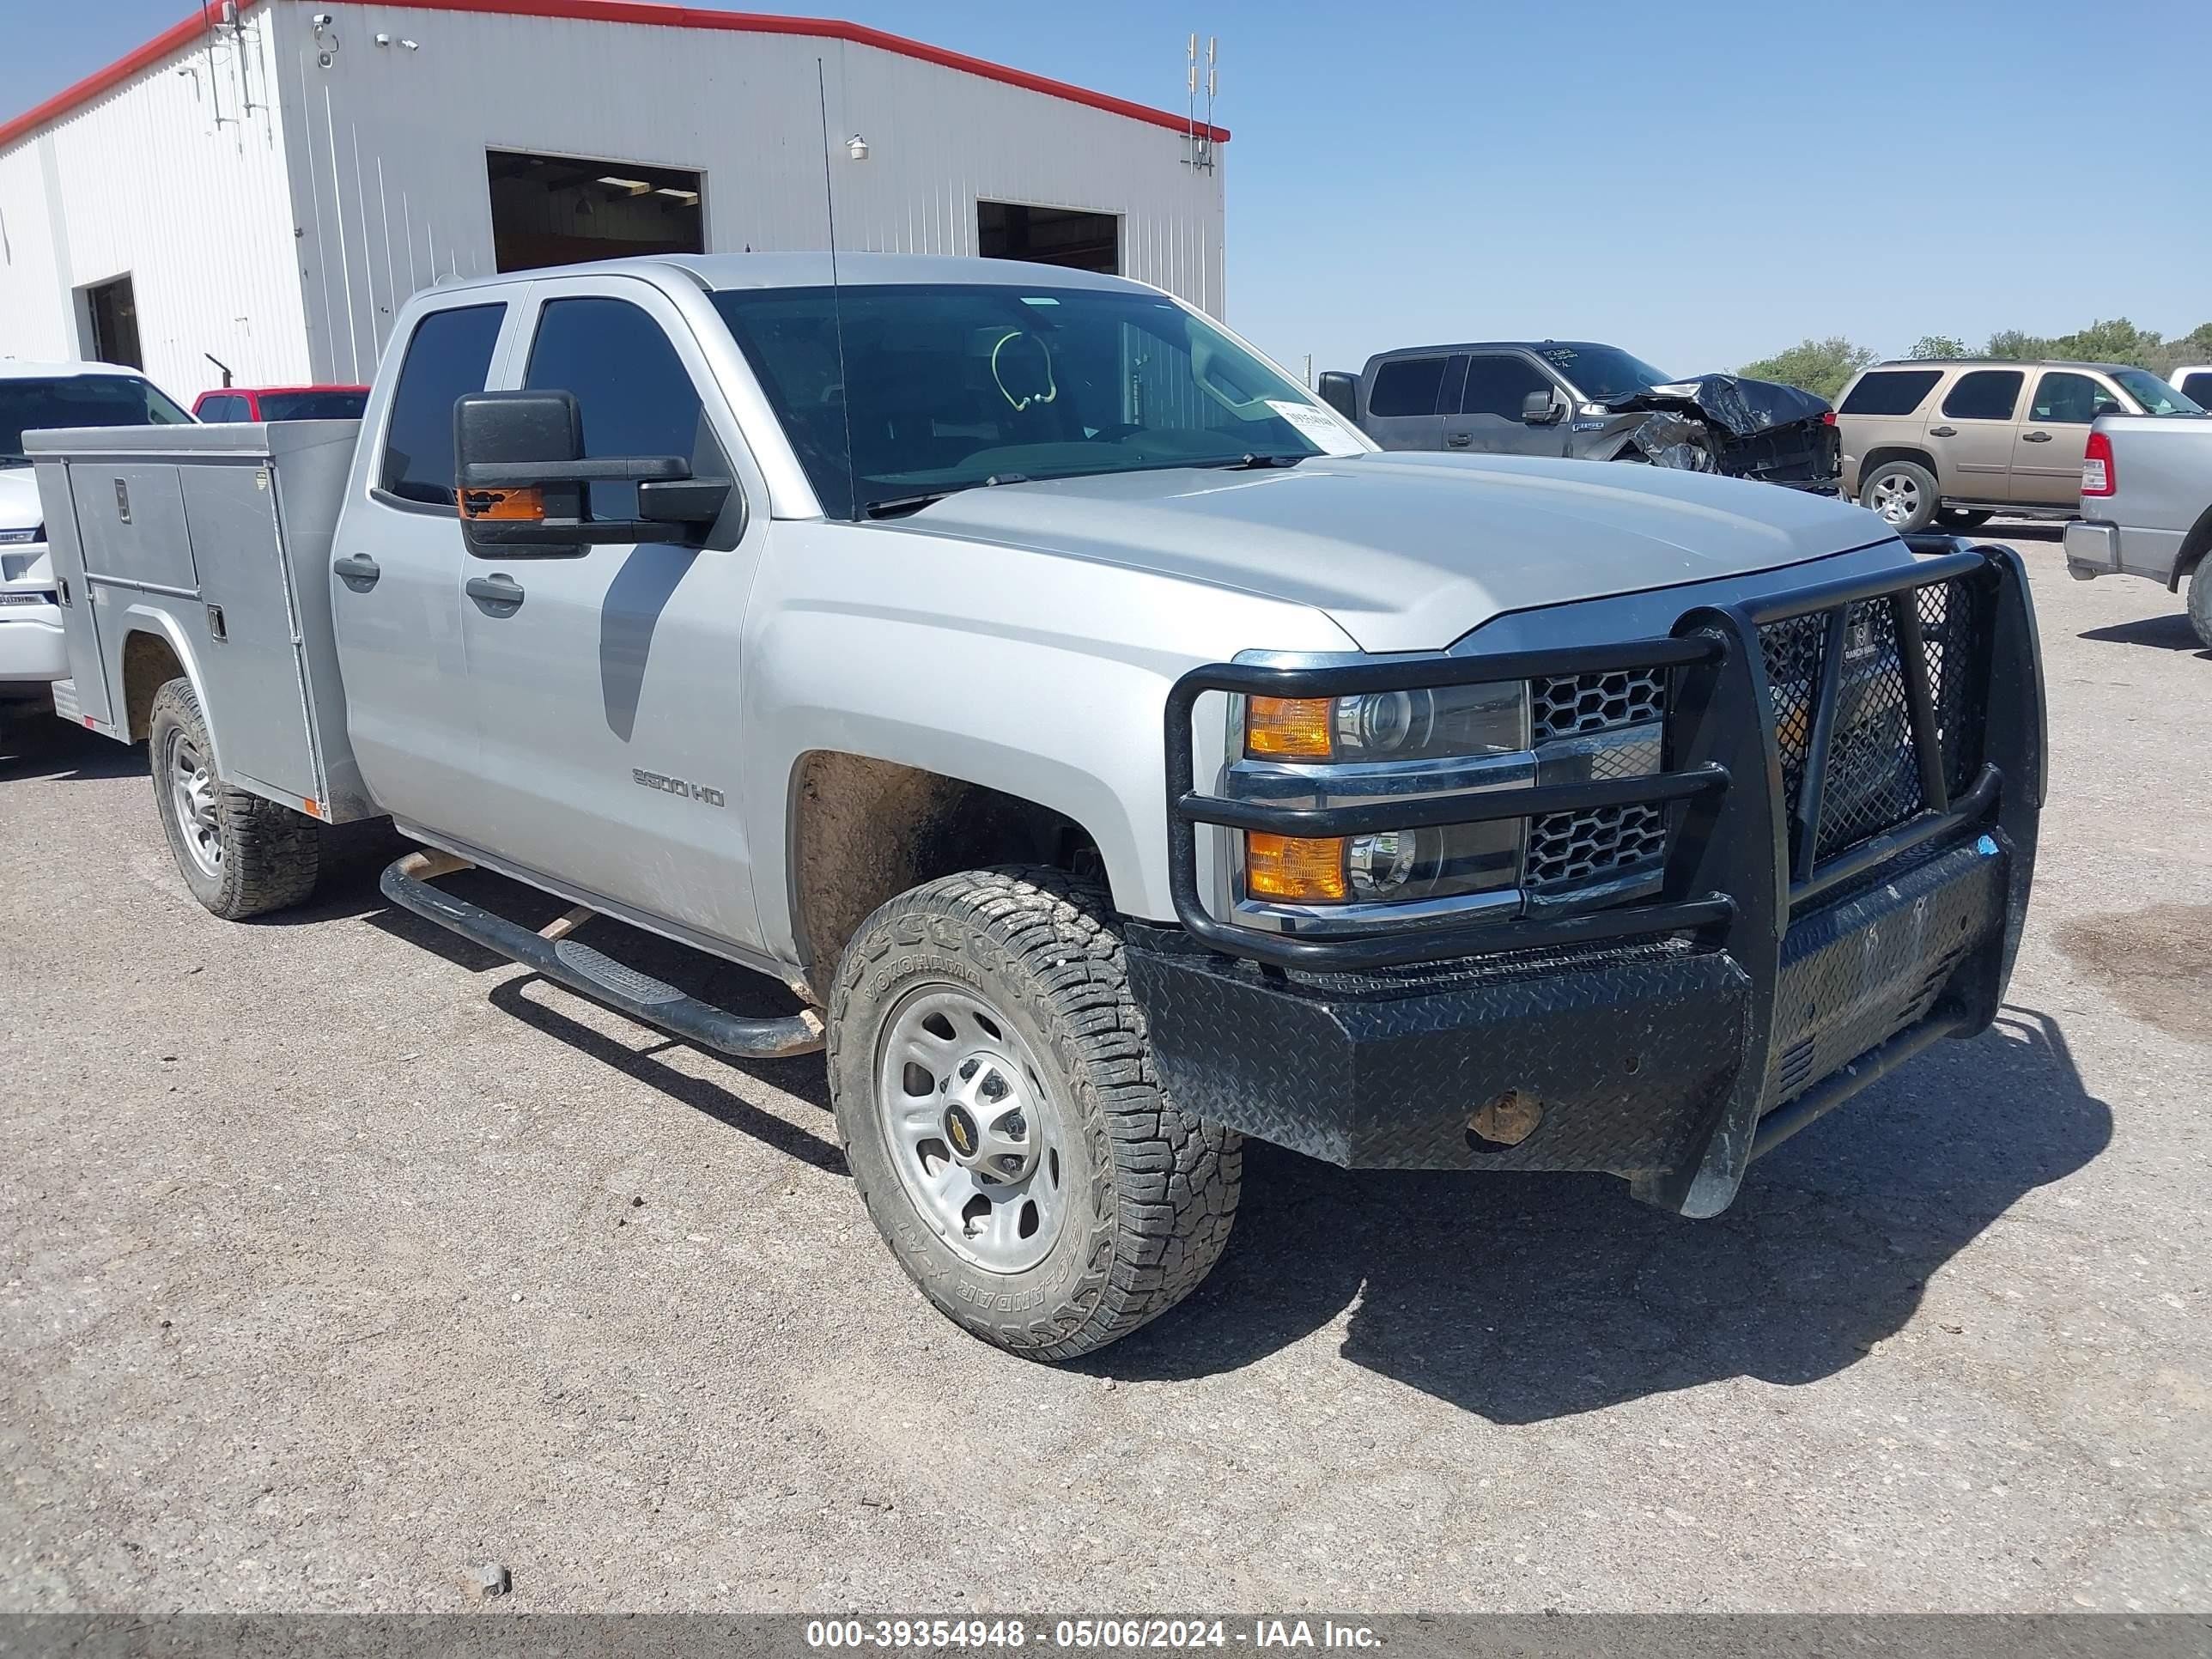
x: 1671, y: 1041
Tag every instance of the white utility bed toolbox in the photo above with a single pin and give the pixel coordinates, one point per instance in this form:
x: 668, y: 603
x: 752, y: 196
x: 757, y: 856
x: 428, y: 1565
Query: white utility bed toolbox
x: 215, y: 540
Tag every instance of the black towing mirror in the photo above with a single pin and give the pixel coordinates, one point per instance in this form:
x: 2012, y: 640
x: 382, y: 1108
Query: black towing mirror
x: 521, y: 478
x: 1341, y: 392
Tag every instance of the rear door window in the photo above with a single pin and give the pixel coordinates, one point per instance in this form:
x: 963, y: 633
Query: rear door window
x: 2063, y: 399
x: 1987, y: 394
x: 2197, y: 387
x: 1499, y: 385
x: 449, y: 357
x: 635, y: 394
x: 1407, y: 385
x: 1891, y: 392
x: 222, y: 409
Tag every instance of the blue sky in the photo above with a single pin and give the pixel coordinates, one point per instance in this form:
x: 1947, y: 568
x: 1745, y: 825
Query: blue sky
x: 1703, y: 181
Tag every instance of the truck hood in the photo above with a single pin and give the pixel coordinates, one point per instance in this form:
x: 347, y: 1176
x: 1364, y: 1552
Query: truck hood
x: 19, y: 498
x: 1408, y: 552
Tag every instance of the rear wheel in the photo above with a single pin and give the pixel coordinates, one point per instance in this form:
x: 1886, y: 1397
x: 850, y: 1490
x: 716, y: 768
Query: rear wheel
x: 998, y: 1106
x: 2200, y: 603
x: 240, y: 854
x: 1962, y: 517
x: 1903, y: 493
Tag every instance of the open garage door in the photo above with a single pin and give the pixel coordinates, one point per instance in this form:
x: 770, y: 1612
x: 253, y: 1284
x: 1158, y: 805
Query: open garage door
x: 1049, y: 236
x: 557, y: 209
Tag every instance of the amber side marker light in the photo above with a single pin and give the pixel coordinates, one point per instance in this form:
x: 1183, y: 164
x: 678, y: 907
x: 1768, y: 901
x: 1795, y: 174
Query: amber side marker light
x: 529, y: 503
x: 1288, y: 728
x: 1289, y: 867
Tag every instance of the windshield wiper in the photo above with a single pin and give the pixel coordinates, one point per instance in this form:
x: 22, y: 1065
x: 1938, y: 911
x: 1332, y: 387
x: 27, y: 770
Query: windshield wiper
x: 1252, y: 463
x: 896, y: 507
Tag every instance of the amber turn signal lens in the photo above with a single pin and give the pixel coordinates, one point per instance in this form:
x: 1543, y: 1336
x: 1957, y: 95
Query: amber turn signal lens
x: 1288, y: 728
x: 525, y: 503
x: 1288, y: 867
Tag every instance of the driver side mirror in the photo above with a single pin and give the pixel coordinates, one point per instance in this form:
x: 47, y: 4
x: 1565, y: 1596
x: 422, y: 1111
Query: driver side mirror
x: 1539, y: 409
x: 1341, y: 392
x: 520, y: 476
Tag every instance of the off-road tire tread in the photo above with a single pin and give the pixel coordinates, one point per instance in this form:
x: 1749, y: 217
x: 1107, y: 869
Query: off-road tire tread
x: 271, y: 854
x: 1175, y: 1178
x: 2200, y: 602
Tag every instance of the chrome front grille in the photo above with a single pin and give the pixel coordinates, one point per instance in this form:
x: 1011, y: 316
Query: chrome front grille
x: 1595, y: 728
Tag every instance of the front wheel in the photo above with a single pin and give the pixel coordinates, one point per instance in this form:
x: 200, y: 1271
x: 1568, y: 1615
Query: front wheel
x: 1903, y: 493
x: 999, y: 1111
x: 240, y: 854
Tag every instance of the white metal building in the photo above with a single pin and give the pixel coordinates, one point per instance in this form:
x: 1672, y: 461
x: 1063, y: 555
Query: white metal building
x: 264, y: 186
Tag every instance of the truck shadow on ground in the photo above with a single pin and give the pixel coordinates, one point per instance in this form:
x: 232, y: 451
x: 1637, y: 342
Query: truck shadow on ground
x: 2168, y: 633
x: 1529, y: 1297
x: 34, y: 744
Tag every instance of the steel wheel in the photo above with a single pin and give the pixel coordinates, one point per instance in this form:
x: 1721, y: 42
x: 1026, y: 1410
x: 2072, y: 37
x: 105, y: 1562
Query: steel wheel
x: 1896, y: 497
x: 192, y: 796
x: 973, y: 1131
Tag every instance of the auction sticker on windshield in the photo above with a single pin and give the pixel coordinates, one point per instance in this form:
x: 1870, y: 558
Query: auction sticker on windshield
x: 1312, y: 424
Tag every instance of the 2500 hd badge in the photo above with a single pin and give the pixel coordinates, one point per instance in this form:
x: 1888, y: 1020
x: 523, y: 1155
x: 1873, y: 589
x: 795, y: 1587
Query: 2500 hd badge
x: 706, y: 792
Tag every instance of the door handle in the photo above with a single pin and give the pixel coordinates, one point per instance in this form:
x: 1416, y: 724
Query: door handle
x: 1459, y: 440
x: 358, y: 571
x: 2035, y: 437
x: 499, y: 593
x: 1942, y: 431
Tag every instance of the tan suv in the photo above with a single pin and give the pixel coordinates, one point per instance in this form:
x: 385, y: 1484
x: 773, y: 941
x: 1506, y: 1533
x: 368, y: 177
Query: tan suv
x: 1950, y: 443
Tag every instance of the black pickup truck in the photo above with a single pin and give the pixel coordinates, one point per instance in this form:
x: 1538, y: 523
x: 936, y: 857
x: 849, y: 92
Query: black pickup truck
x: 1588, y: 402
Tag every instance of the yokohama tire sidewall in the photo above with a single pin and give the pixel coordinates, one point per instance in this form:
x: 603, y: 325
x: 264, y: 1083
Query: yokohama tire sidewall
x: 920, y: 949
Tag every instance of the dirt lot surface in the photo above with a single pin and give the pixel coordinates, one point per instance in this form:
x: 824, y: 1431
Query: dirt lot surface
x: 335, y: 1257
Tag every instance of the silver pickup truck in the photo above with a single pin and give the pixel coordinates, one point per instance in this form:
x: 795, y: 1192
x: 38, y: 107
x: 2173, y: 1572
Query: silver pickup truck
x: 1111, y: 750
x: 2147, y: 507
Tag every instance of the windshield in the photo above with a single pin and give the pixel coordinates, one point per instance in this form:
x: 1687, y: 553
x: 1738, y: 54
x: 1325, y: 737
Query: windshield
x: 312, y: 405
x: 944, y: 386
x: 29, y: 405
x: 1601, y: 373
x: 2156, y: 397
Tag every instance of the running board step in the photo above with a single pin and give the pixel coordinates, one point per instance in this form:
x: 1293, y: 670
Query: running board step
x: 591, y: 973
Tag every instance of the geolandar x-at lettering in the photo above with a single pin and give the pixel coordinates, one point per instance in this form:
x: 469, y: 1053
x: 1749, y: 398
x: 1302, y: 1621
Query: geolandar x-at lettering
x: 704, y: 792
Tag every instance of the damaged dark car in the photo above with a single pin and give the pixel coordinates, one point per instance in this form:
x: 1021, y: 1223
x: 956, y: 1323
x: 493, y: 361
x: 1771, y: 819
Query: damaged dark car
x: 1589, y: 402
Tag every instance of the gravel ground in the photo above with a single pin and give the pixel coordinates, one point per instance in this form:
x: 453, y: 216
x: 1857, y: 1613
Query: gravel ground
x: 338, y: 1257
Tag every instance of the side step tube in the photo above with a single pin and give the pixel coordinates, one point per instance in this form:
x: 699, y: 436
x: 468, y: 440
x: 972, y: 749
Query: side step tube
x: 568, y: 961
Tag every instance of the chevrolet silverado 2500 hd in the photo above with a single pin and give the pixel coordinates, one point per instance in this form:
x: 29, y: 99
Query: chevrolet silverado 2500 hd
x: 1113, y: 751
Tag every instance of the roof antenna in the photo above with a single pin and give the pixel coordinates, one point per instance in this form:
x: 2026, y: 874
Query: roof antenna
x: 836, y: 303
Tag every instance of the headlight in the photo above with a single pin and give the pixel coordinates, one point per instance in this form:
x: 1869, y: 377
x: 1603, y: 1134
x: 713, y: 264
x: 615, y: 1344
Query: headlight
x: 22, y: 537
x: 1423, y: 728
x: 1446, y: 721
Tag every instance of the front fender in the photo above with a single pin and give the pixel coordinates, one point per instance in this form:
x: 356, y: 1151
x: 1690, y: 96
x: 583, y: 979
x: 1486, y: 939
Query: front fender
x: 1041, y: 677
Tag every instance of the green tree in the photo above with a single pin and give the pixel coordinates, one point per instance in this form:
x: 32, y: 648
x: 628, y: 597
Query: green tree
x: 2194, y: 347
x: 2010, y: 343
x: 1937, y: 345
x: 1819, y: 366
x: 2116, y: 341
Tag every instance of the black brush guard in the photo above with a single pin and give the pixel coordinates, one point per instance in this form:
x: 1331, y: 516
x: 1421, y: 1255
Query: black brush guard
x: 1671, y: 1040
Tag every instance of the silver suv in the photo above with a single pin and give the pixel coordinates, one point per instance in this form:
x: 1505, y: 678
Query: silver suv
x: 1954, y: 443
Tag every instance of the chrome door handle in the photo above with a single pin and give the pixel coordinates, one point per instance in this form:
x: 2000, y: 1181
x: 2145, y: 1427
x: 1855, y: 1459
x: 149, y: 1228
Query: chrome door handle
x: 357, y: 570
x: 1942, y: 431
x: 2035, y: 437
x: 500, y: 593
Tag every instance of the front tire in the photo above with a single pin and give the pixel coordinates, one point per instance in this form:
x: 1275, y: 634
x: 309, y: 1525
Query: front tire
x: 1903, y: 494
x: 240, y: 854
x: 2200, y: 603
x: 1001, y: 1113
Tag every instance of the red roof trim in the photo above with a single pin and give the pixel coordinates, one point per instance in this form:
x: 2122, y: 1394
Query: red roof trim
x: 649, y: 12
x: 189, y: 32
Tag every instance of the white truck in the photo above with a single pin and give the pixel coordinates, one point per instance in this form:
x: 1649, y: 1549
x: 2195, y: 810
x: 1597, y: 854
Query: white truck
x: 2147, y: 507
x: 1113, y: 752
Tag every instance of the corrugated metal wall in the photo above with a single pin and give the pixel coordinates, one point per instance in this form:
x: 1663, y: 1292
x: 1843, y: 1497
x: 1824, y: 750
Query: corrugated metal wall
x: 387, y: 150
x: 147, y: 181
